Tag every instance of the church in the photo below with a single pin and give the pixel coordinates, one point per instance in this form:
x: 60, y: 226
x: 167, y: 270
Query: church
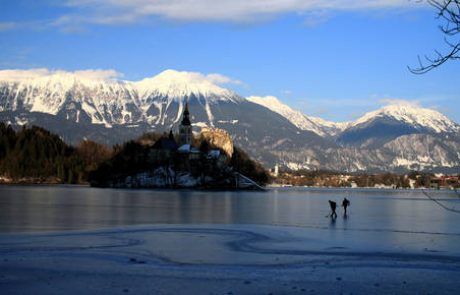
x: 185, y: 128
x: 176, y: 162
x: 186, y: 157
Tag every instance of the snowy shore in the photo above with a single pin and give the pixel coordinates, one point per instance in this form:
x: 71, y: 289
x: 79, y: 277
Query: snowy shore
x: 229, y: 259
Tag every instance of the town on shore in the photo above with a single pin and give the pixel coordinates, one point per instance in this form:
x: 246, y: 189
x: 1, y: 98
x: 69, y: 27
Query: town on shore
x: 412, y: 180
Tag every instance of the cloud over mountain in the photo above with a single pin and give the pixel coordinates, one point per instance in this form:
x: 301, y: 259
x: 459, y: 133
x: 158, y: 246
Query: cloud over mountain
x: 99, y: 74
x: 94, y: 74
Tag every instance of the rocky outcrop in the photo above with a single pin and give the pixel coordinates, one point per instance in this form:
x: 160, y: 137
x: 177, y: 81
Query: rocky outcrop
x: 219, y: 138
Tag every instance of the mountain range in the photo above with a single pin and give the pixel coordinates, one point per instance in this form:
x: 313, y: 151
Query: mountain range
x: 396, y: 137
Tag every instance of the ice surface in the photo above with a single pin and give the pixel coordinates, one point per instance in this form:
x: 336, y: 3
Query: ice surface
x: 392, y: 242
x: 227, y: 259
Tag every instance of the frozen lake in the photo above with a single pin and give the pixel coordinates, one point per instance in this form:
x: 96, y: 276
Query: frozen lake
x: 80, y: 240
x: 57, y: 208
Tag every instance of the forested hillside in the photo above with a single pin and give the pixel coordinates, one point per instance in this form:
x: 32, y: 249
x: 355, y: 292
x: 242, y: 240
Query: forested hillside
x: 36, y: 155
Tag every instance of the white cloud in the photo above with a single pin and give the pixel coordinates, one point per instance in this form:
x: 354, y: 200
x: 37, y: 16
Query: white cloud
x: 221, y: 79
x: 98, y: 74
x: 316, y: 17
x: 17, y: 75
x: 398, y: 101
x: 197, y: 77
x: 237, y: 11
x: 6, y: 26
x: 20, y: 75
x: 286, y: 92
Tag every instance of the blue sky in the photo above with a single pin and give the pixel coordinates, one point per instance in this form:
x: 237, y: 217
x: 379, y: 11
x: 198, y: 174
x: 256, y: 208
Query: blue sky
x: 336, y: 59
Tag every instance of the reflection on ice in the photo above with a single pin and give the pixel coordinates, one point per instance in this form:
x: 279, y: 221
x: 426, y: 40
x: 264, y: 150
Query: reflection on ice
x: 60, y: 208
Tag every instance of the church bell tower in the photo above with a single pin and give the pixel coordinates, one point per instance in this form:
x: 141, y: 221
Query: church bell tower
x: 185, y: 128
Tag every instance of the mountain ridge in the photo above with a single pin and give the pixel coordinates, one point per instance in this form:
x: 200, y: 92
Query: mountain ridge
x: 111, y: 110
x: 410, y: 113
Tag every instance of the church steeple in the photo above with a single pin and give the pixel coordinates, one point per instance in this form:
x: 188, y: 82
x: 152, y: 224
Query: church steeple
x: 185, y: 128
x: 185, y: 117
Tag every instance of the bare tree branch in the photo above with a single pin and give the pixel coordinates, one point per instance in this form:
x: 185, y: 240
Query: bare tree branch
x: 448, y: 11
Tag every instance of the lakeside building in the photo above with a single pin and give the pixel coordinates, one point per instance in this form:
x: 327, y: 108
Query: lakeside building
x: 182, y: 154
x: 445, y: 181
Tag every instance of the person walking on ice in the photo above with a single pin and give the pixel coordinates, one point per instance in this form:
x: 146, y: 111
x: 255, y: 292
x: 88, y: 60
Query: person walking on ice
x: 333, y: 206
x: 345, y: 204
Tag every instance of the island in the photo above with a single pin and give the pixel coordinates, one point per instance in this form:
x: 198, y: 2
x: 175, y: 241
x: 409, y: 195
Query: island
x: 207, y: 160
x: 188, y: 159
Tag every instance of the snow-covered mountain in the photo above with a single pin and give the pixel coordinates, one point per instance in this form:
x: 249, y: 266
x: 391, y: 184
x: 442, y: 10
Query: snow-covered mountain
x: 304, y: 122
x: 412, y: 114
x: 74, y: 97
x: 58, y: 100
x: 177, y: 85
x: 391, y: 121
x: 405, y: 115
x: 421, y: 151
x: 112, y: 102
x: 171, y: 89
x: 98, y: 106
x: 329, y: 127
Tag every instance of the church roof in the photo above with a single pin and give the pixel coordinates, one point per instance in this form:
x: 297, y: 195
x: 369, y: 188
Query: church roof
x: 165, y: 143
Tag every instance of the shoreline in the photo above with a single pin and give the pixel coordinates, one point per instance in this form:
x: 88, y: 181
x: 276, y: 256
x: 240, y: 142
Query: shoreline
x: 210, y: 189
x: 363, y: 188
x: 267, y: 187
